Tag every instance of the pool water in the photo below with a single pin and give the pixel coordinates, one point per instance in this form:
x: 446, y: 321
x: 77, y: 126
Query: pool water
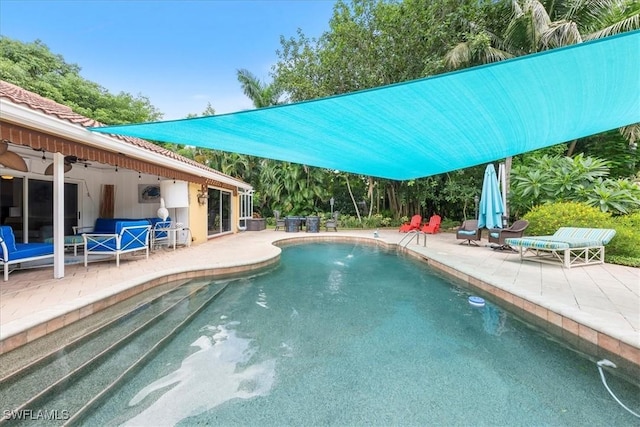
x: 348, y: 334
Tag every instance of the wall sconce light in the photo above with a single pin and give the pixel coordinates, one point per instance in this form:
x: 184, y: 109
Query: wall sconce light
x: 203, y: 196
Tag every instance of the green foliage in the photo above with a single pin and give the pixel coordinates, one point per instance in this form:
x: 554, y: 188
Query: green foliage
x: 546, y: 219
x: 449, y: 224
x: 375, y: 221
x: 372, y: 43
x: 625, y: 246
x: 627, y: 240
x: 548, y: 179
x: 623, y: 260
x: 34, y: 67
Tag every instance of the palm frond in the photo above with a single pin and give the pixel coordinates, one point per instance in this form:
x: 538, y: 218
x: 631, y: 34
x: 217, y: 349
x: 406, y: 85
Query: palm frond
x: 631, y: 133
x: 459, y: 56
x: 560, y: 33
x: 629, y: 24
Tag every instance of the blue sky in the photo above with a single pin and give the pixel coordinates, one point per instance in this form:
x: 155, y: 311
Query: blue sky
x: 180, y: 54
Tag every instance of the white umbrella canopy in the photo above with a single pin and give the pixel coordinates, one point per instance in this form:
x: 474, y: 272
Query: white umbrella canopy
x: 491, y: 207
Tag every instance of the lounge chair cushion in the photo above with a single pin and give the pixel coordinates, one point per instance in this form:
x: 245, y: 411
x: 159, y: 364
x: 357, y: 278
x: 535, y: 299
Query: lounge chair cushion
x: 467, y: 232
x: 6, y: 233
x: 30, y: 250
x: 565, y: 238
x: 572, y: 246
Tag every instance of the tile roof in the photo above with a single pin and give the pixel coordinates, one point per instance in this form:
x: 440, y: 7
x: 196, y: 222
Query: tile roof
x: 21, y: 96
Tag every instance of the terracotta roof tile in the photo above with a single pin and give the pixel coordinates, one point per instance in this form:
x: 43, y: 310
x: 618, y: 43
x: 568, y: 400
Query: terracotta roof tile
x: 21, y: 96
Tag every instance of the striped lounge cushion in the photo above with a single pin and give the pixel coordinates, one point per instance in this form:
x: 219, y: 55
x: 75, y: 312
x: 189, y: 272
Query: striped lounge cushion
x: 600, y: 235
x: 565, y: 238
x: 538, y: 242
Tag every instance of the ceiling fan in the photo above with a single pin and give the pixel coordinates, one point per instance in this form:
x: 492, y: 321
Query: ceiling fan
x: 11, y: 160
x: 68, y: 164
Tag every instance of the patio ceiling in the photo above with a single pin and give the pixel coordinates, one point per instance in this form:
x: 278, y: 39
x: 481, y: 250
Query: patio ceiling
x: 438, y: 124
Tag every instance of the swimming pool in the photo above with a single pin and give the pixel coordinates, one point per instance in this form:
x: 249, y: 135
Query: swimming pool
x: 348, y: 334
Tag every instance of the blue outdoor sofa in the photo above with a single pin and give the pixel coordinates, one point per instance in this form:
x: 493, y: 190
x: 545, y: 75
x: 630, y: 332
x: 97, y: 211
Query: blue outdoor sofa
x: 117, y: 237
x: 17, y: 253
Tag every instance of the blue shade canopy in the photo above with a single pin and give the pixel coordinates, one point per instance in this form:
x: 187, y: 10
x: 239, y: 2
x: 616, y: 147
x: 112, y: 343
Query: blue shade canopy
x: 438, y: 124
x: 491, y: 208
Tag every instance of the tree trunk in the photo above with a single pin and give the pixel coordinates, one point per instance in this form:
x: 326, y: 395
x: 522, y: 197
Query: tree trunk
x: 507, y: 178
x: 355, y: 205
x: 372, y: 184
x: 572, y: 147
x: 393, y: 202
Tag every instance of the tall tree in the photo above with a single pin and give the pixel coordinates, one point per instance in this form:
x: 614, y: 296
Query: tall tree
x: 34, y: 67
x: 289, y: 187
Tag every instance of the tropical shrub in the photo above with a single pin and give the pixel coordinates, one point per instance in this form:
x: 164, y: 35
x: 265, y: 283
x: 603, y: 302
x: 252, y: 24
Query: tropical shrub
x: 546, y: 219
x: 549, y: 179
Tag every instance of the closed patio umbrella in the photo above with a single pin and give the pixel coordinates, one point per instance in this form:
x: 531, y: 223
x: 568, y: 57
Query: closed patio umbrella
x: 491, y: 207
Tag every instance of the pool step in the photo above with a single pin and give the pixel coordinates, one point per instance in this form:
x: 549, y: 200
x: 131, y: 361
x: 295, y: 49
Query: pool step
x: 20, y: 385
x: 84, y: 369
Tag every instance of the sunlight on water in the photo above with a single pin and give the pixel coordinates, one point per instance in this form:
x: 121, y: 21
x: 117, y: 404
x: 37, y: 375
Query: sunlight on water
x: 214, y: 367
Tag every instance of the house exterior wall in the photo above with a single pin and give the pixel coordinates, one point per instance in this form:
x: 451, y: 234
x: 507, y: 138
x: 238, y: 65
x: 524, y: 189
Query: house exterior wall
x: 197, y: 216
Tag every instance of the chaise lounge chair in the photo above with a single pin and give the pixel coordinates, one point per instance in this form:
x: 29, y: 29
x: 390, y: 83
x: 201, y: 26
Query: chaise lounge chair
x: 17, y: 253
x: 571, y: 246
x: 498, y: 235
x: 469, y: 232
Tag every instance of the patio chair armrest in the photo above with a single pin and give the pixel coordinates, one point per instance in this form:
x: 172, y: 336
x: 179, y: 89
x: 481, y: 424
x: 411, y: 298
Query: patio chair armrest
x: 83, y: 229
x: 510, y: 233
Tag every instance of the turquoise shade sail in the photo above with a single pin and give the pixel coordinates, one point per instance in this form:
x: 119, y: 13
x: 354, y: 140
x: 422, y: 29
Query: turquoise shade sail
x: 437, y: 124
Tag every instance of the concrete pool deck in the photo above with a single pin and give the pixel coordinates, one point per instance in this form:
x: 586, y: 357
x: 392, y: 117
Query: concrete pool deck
x: 600, y: 304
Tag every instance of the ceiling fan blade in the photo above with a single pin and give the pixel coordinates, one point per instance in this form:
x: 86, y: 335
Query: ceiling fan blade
x: 4, y: 146
x: 49, y: 169
x: 12, y: 160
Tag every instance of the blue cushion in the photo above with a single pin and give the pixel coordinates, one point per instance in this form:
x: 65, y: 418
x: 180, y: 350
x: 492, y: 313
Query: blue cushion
x: 467, y: 233
x: 108, y: 225
x: 102, y: 245
x: 132, y: 236
x: 6, y: 232
x: 154, y: 221
x: 105, y: 226
x: 28, y: 250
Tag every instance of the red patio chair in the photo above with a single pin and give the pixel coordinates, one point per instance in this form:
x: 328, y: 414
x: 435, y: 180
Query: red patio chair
x: 434, y: 225
x: 416, y: 220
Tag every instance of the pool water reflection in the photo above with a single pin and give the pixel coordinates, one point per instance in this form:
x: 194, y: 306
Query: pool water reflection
x: 348, y: 334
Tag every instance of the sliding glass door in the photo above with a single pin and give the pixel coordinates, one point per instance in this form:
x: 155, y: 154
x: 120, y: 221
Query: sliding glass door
x: 36, y: 224
x: 220, y: 213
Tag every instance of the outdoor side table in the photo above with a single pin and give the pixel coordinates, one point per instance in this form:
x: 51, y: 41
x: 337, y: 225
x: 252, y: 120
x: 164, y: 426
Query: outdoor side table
x: 70, y: 241
x: 172, y: 236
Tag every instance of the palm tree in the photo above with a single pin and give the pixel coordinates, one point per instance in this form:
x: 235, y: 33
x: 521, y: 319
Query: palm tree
x: 261, y: 94
x: 289, y: 187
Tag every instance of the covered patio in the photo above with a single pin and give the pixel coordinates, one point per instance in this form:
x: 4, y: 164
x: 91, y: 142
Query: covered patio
x: 58, y: 177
